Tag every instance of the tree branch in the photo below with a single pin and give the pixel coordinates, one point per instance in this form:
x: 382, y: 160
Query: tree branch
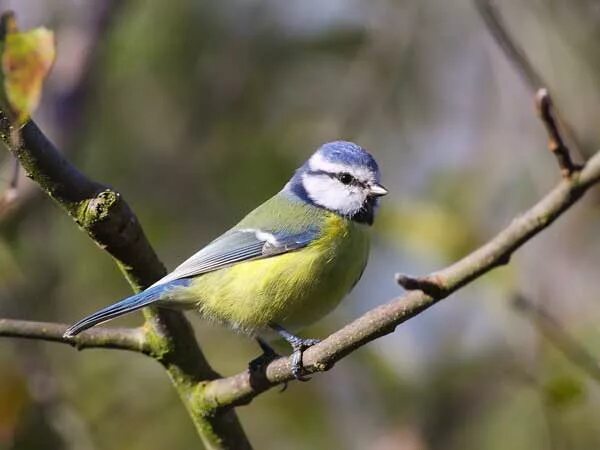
x: 243, y: 387
x: 556, y: 143
x: 132, y: 339
x: 496, y: 26
x: 68, y: 108
x: 167, y: 335
x: 96, y: 208
x: 104, y: 215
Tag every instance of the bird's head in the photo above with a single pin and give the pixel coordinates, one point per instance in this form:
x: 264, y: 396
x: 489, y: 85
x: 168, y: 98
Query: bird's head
x: 341, y: 177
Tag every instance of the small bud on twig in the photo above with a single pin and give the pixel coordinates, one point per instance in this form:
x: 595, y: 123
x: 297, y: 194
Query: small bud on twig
x: 425, y: 284
x: 556, y: 143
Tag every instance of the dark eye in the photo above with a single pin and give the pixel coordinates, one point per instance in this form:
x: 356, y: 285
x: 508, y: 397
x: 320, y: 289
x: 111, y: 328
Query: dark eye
x: 345, y: 178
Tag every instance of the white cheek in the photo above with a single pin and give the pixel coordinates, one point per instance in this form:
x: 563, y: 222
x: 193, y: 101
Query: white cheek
x: 331, y: 194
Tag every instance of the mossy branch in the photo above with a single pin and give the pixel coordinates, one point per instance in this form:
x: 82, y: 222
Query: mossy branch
x: 109, y: 221
x: 167, y: 336
x: 242, y: 388
x: 210, y: 398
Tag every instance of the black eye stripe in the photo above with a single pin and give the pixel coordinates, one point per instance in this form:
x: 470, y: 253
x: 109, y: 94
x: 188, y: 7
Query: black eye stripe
x: 337, y: 176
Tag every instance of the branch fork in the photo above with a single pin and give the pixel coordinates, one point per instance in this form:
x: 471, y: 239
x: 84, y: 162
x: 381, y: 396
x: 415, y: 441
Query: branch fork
x: 167, y: 336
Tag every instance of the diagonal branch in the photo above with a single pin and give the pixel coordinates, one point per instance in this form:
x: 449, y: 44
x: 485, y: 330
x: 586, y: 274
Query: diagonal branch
x: 242, y: 388
x: 132, y: 339
x: 495, y: 25
x: 97, y: 209
x: 534, y: 81
x: 104, y: 215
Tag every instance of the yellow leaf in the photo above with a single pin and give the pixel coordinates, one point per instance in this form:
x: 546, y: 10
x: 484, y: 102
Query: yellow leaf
x: 26, y: 59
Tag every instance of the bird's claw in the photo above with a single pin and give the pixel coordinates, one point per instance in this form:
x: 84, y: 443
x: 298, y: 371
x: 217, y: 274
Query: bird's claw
x: 296, y: 359
x: 298, y: 346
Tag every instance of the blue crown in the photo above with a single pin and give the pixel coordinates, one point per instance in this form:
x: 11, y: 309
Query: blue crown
x: 336, y: 152
x: 348, y: 153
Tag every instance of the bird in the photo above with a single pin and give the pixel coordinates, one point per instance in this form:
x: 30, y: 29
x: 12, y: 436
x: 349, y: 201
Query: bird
x: 286, y: 264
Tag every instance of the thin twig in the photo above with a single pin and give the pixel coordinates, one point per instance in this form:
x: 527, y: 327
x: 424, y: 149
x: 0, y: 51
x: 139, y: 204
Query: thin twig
x: 132, y: 339
x: 69, y: 103
x: 109, y: 221
x: 103, y: 214
x: 243, y: 387
x: 495, y: 25
x: 515, y: 54
x: 556, y: 143
x: 552, y: 330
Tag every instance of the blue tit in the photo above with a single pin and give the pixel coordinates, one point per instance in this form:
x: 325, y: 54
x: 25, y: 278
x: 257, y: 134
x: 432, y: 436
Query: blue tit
x: 287, y: 263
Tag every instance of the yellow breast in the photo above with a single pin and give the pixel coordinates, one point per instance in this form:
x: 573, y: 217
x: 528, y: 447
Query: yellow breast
x: 293, y: 289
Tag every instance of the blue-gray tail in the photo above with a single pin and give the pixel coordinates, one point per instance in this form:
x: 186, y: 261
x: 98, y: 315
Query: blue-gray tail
x: 124, y: 306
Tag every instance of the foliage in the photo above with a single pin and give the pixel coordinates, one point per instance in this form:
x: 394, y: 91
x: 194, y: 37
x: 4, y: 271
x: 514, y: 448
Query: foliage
x: 197, y: 111
x: 26, y: 59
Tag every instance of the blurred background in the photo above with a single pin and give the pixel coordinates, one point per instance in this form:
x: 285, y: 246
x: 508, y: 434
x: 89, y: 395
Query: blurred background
x: 197, y: 111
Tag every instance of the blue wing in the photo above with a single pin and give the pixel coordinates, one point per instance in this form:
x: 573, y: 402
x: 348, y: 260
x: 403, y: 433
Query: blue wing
x: 240, y: 245
x: 233, y: 247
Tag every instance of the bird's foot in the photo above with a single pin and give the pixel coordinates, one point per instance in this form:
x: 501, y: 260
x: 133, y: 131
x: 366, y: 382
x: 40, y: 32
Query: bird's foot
x: 299, y: 345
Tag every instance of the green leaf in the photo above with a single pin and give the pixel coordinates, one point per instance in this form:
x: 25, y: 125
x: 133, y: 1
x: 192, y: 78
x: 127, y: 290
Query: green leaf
x: 26, y: 59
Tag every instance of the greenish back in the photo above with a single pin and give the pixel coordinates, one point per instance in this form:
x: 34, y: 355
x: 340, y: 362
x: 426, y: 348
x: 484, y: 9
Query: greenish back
x: 292, y: 289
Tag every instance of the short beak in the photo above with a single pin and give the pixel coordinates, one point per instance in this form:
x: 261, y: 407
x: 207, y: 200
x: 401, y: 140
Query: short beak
x: 377, y: 190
